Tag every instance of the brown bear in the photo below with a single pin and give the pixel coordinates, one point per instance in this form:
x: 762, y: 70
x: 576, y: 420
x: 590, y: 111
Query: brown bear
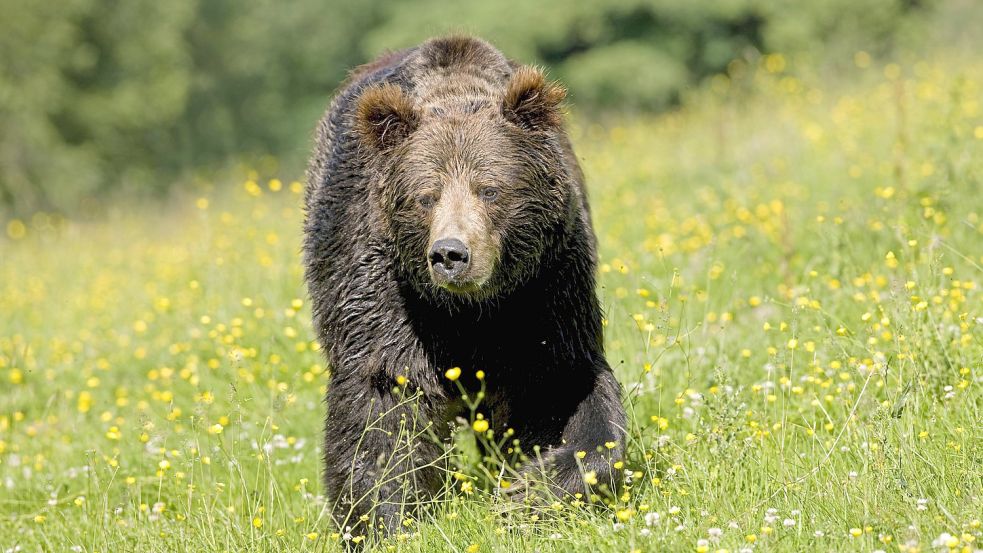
x: 447, y: 226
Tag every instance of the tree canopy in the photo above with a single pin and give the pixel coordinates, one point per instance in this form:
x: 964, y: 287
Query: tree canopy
x: 100, y: 95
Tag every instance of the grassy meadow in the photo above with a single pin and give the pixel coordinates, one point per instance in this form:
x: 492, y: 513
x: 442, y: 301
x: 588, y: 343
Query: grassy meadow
x: 791, y: 271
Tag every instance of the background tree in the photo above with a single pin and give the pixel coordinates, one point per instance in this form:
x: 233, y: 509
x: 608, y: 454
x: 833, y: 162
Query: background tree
x: 107, y: 95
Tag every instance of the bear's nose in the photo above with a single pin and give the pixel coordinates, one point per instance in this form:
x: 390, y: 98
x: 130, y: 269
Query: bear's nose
x: 449, y: 257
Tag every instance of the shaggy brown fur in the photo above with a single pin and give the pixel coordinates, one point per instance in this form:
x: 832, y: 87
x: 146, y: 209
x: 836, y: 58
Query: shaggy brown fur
x: 447, y: 226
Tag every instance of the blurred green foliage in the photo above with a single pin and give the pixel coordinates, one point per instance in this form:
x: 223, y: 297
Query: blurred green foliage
x: 103, y: 95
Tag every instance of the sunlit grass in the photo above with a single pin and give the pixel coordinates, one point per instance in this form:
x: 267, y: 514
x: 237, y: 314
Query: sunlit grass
x: 792, y: 287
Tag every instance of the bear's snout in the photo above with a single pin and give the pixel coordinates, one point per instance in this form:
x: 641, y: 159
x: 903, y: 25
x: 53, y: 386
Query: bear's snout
x: 449, y: 258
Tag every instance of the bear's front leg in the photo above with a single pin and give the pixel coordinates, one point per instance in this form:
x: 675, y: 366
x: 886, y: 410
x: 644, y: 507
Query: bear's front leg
x: 592, y: 440
x: 381, y: 454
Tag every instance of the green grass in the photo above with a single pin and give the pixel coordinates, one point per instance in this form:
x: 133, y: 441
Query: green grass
x: 792, y: 281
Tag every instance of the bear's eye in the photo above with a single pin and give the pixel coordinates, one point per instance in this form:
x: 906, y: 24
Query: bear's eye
x: 489, y: 193
x: 426, y: 201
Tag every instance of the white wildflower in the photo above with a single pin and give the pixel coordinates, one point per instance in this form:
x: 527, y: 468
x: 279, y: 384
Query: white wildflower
x: 651, y: 519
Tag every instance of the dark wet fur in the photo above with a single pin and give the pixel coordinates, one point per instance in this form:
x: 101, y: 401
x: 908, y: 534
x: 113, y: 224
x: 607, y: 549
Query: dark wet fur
x: 535, y: 329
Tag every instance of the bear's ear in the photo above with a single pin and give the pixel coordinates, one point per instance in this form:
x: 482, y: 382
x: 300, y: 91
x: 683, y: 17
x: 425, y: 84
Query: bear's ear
x: 384, y: 117
x: 531, y: 101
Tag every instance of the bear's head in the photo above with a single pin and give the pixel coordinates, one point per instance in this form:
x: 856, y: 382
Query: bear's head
x: 473, y: 186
